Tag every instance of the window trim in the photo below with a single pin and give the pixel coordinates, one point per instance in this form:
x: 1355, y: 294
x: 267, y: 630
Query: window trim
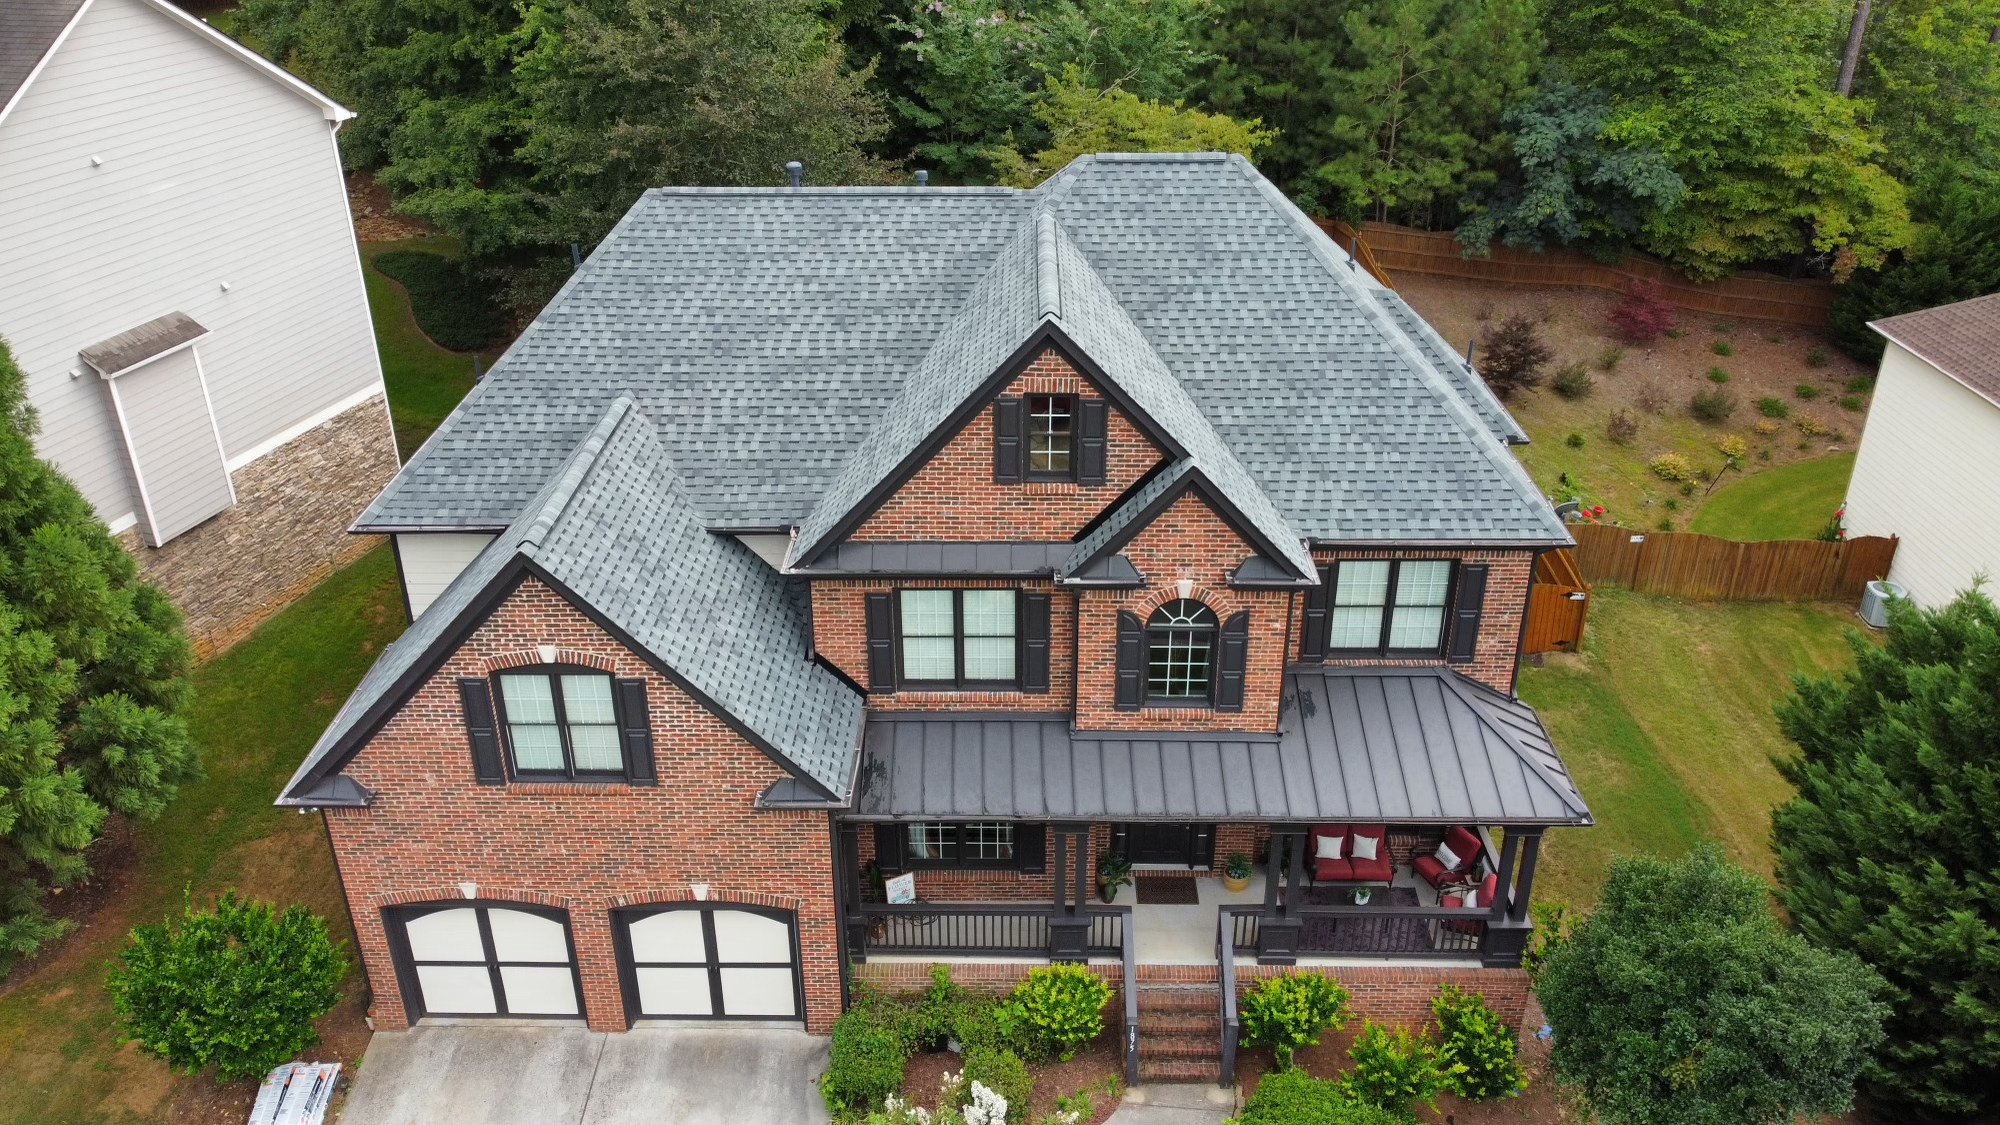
x: 959, y: 682
x: 569, y: 773
x: 1381, y: 648
x: 1074, y: 405
x: 956, y: 860
x: 1205, y: 701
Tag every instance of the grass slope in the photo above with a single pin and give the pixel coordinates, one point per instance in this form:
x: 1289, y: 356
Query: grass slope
x: 424, y: 380
x: 1792, y: 502
x: 1665, y: 721
x: 259, y: 707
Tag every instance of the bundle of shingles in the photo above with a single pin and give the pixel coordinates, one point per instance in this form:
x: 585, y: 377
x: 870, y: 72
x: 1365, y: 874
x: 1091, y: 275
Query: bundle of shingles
x: 295, y: 1094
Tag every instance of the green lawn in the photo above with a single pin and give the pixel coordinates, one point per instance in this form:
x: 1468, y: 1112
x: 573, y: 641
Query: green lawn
x: 425, y: 381
x: 1790, y: 502
x: 1665, y: 721
x: 259, y: 707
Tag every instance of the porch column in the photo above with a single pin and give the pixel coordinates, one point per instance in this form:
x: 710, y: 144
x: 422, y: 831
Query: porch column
x: 1524, y: 883
x: 847, y: 888
x: 1278, y: 929
x: 1505, y: 938
x: 1069, y: 926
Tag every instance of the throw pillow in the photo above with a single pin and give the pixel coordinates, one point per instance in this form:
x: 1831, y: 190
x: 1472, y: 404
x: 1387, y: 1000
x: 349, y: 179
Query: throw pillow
x: 1448, y: 857
x: 1329, y: 847
x: 1364, y: 846
x: 1471, y: 899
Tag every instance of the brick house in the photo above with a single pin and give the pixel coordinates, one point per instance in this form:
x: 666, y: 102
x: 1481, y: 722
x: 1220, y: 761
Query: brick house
x: 822, y: 549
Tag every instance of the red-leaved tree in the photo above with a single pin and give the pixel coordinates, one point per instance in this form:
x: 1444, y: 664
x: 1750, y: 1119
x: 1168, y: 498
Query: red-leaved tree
x: 1642, y: 314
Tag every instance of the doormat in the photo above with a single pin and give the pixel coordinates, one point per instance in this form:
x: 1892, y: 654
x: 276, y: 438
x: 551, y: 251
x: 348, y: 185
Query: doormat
x: 1167, y: 890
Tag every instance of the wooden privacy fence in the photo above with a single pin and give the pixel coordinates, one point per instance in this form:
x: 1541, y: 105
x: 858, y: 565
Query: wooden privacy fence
x: 1557, y: 604
x: 1397, y: 249
x: 1687, y: 565
x: 1350, y: 240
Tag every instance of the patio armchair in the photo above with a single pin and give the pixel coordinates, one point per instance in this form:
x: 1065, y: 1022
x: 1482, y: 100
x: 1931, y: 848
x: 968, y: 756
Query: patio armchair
x: 1460, y: 845
x: 1345, y: 866
x: 1476, y: 898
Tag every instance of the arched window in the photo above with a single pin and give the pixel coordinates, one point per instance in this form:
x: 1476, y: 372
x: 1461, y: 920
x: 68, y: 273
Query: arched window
x: 1180, y: 641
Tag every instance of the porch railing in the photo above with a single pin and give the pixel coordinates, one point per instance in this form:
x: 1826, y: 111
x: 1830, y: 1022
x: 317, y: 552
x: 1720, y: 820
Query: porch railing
x: 984, y: 929
x: 1231, y: 1029
x: 1365, y: 931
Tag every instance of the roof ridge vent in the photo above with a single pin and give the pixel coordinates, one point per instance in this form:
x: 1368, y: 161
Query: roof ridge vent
x: 1048, y: 277
x: 794, y: 171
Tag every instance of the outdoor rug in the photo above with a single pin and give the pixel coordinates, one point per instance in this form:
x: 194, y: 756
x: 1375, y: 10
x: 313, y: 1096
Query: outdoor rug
x: 1167, y: 890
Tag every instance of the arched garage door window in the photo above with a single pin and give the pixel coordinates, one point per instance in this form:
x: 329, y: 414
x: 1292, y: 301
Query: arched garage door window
x: 469, y: 959
x: 709, y: 961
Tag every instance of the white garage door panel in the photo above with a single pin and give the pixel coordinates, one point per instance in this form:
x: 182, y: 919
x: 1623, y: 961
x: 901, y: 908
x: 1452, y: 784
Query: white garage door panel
x: 743, y: 936
x: 674, y: 992
x: 448, y: 935
x: 536, y: 991
x: 520, y: 936
x: 457, y: 990
x: 672, y: 936
x: 758, y: 992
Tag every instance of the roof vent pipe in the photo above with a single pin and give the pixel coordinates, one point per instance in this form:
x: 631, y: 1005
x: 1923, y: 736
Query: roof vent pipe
x: 794, y: 170
x: 923, y: 178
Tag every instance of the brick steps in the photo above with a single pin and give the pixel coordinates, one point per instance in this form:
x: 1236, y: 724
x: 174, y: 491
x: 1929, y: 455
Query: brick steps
x: 1179, y: 1030
x: 1180, y: 1070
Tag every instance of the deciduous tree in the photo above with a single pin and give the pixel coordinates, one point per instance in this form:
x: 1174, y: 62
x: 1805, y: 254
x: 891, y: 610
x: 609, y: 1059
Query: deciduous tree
x: 1082, y: 120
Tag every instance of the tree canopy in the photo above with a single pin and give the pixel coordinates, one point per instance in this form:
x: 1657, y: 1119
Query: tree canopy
x: 1892, y: 847
x: 1680, y: 1001
x: 1082, y: 120
x: 93, y: 669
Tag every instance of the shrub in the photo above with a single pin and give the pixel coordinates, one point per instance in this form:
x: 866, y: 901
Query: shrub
x: 1851, y: 402
x: 1002, y: 1072
x: 1572, y: 380
x: 866, y: 1063
x: 1060, y: 1007
x: 1681, y: 999
x: 1652, y: 398
x: 1293, y: 1097
x: 1773, y: 408
x: 1290, y: 1010
x: 1806, y: 392
x: 1514, y: 356
x: 1732, y: 446
x: 1712, y: 406
x: 1621, y: 426
x: 1768, y: 426
x: 237, y: 986
x: 1718, y: 376
x: 1574, y: 440
x: 1722, y: 347
x: 1474, y: 1047
x: 1722, y: 328
x: 1816, y: 357
x: 1774, y: 337
x: 1810, y: 426
x: 1665, y: 524
x: 1672, y: 505
x: 1394, y: 1070
x: 451, y: 308
x: 1671, y: 466
x: 1608, y: 359
x: 1861, y: 384
x: 1642, y: 314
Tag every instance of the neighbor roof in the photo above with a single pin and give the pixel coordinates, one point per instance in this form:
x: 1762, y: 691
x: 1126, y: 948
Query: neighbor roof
x: 1962, y: 340
x: 775, y: 333
x: 614, y: 529
x: 1369, y: 746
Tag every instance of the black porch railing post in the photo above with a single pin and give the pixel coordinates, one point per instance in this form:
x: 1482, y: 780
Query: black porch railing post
x: 1524, y: 883
x: 1226, y: 962
x: 1131, y: 1004
x: 1069, y: 925
x: 1505, y: 937
x: 1278, y: 931
x: 847, y: 873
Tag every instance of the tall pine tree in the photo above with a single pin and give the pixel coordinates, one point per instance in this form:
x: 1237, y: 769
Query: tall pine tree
x: 93, y: 676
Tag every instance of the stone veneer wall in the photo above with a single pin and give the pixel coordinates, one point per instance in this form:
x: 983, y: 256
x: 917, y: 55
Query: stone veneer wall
x: 287, y: 531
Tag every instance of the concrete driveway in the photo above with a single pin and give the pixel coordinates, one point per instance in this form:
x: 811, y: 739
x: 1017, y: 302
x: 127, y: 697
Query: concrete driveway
x: 487, y: 1074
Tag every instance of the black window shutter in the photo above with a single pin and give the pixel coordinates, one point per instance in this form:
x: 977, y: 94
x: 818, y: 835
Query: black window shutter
x: 1093, y: 419
x: 1203, y: 852
x: 1035, y: 644
x: 1007, y: 440
x: 1231, y: 662
x: 881, y: 625
x: 1312, y: 640
x: 1121, y: 834
x: 1131, y: 662
x: 635, y: 732
x: 1465, y: 612
x: 889, y: 848
x: 480, y: 731
x: 1031, y: 849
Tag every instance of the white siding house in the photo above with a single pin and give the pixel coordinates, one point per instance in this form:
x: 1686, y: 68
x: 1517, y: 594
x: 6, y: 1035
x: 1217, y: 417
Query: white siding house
x: 1928, y: 470
x: 160, y: 181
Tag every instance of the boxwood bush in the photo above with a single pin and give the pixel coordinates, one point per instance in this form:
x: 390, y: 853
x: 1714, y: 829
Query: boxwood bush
x: 1290, y: 1010
x: 1001, y: 1071
x: 867, y: 1059
x: 1058, y: 1008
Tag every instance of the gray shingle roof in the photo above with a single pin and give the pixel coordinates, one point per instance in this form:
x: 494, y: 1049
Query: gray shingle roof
x: 614, y: 526
x: 1960, y: 339
x: 1371, y: 746
x: 28, y: 28
x: 768, y: 330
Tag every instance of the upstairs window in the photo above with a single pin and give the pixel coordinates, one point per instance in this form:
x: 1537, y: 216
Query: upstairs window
x: 1180, y: 641
x: 1388, y: 607
x: 959, y: 638
x: 1051, y: 436
x: 560, y: 723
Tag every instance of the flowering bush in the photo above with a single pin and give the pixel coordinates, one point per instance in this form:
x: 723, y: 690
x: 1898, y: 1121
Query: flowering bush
x: 1671, y: 466
x: 1642, y: 314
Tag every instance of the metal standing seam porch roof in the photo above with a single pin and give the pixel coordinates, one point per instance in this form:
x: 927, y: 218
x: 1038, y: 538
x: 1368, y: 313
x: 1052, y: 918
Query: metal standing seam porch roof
x: 1361, y: 745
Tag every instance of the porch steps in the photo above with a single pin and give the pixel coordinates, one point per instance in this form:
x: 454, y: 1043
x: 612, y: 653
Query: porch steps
x: 1179, y: 1025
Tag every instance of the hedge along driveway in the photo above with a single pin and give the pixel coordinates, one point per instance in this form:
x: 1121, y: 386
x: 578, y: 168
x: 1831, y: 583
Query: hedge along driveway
x: 258, y: 709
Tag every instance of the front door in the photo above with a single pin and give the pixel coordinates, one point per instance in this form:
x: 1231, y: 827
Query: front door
x: 1179, y: 845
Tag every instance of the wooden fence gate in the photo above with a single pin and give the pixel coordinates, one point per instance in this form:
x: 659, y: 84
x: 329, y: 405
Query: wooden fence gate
x: 1557, y: 604
x: 1687, y: 565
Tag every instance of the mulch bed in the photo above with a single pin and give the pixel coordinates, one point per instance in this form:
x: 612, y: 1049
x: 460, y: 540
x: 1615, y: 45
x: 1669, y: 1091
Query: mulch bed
x: 111, y: 857
x: 1093, y: 1065
x: 1166, y: 890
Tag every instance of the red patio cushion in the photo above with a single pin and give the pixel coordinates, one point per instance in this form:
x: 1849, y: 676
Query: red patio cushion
x: 1375, y: 870
x: 1329, y: 870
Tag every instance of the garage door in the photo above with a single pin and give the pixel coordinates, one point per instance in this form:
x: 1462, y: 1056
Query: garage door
x: 710, y: 962
x: 487, y: 961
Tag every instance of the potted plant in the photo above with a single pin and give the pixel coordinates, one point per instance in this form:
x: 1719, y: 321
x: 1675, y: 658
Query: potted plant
x: 1236, y: 873
x: 1113, y: 871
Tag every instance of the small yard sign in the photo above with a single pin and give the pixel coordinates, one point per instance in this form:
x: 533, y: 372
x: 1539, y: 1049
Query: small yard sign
x: 902, y: 889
